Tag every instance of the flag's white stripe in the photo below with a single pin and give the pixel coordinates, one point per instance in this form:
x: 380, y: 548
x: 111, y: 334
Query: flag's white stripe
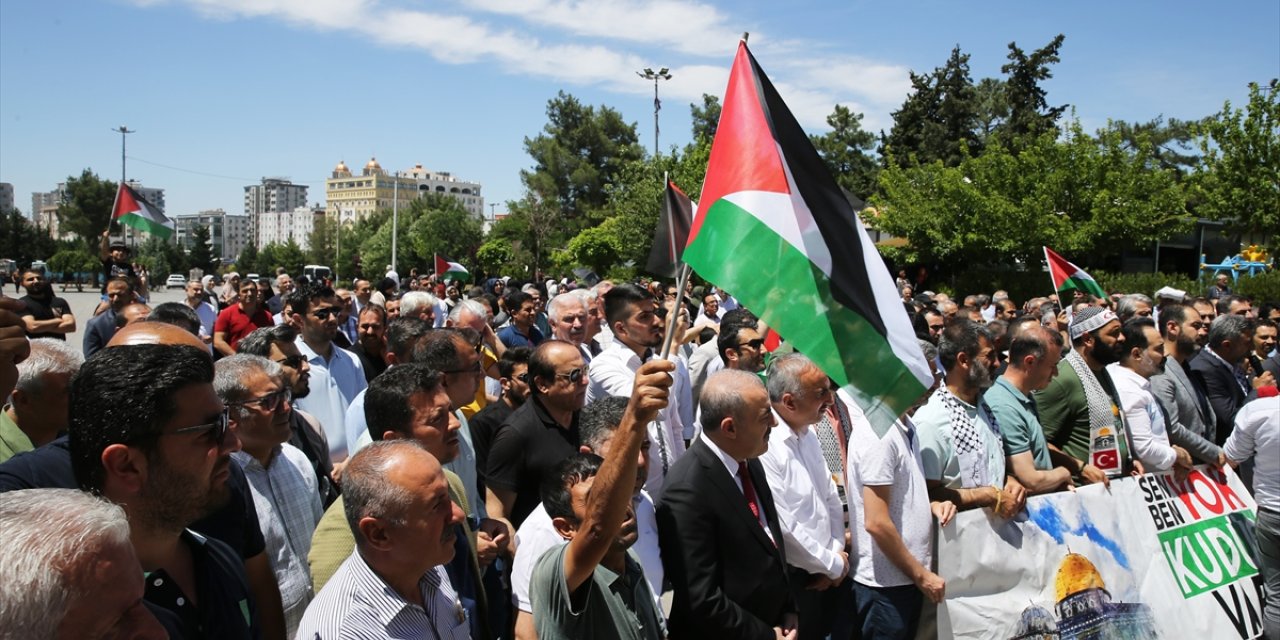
x: 779, y: 212
x: 902, y: 336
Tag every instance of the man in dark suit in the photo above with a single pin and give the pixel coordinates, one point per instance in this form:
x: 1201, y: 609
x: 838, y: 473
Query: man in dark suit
x: 1218, y: 372
x: 717, y: 525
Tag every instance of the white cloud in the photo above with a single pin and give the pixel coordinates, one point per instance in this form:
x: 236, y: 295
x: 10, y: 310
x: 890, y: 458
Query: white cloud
x: 598, y: 43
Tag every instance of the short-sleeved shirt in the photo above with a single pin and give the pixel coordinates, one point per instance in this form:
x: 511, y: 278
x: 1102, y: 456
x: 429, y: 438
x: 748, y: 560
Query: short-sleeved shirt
x: 513, y: 338
x: 891, y: 461
x: 237, y: 324
x: 613, y: 605
x: 227, y: 608
x: 526, y: 448
x: 1016, y: 413
x: 1064, y: 412
x: 937, y: 444
x: 51, y: 309
x: 334, y: 384
x: 356, y: 603
x: 112, y: 269
x: 484, y: 428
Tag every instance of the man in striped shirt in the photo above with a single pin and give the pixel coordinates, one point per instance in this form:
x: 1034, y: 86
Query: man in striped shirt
x: 394, y: 585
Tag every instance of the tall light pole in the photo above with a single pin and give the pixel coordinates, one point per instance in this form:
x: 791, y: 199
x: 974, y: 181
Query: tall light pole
x: 395, y: 218
x: 123, y: 131
x: 655, y: 76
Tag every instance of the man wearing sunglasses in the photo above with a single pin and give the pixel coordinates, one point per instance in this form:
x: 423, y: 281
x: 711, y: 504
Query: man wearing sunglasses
x: 277, y: 344
x: 336, y: 374
x: 283, y: 483
x: 540, y: 434
x: 739, y: 345
x: 165, y: 457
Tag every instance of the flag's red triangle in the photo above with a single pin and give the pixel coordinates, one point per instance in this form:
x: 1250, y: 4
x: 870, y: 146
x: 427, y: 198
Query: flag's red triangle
x: 744, y: 155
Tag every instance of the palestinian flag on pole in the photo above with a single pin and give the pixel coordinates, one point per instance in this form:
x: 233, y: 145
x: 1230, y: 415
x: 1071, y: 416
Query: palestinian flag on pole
x: 131, y: 209
x: 446, y: 268
x: 672, y: 233
x: 1069, y: 278
x: 775, y: 229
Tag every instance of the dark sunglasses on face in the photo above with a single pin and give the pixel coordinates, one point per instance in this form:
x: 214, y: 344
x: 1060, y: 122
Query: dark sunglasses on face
x: 292, y: 362
x: 217, y: 429
x: 754, y: 344
x: 325, y: 312
x: 271, y: 402
x: 574, y: 376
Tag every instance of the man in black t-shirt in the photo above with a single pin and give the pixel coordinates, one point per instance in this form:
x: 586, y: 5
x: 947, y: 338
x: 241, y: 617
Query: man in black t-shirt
x: 46, y: 315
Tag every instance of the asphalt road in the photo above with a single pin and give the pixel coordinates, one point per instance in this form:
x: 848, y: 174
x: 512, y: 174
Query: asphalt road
x: 83, y: 304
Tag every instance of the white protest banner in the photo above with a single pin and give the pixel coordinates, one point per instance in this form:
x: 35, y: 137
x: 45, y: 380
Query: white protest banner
x: 1151, y: 558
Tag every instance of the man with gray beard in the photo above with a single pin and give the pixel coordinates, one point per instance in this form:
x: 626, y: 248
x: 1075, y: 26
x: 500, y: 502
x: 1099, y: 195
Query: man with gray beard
x: 960, y: 443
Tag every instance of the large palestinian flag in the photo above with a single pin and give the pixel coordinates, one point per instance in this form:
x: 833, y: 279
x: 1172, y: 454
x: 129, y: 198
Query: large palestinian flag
x: 775, y: 230
x: 131, y: 209
x: 1068, y: 278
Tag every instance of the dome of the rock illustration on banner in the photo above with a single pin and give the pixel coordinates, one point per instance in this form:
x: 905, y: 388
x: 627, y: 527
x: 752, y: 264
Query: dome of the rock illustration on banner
x: 1084, y: 609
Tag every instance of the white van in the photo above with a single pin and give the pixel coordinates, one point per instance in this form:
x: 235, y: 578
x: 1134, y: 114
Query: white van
x: 316, y: 272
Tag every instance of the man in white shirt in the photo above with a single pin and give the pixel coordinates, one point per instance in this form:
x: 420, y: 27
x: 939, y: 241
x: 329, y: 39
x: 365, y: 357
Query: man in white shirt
x: 637, y: 331
x: 1143, y: 357
x: 1257, y: 435
x: 809, y: 508
x: 205, y: 311
x: 567, y: 314
x: 336, y: 374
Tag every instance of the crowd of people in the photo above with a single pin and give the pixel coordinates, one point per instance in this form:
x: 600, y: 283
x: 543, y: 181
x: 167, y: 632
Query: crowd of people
x: 421, y: 458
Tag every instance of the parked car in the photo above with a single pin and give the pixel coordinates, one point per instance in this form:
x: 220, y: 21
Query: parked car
x: 176, y: 280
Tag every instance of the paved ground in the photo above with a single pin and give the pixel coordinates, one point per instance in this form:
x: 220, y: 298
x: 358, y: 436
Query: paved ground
x: 83, y: 304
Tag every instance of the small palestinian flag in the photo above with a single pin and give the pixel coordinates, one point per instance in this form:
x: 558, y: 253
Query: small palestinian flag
x: 1068, y: 278
x: 448, y: 269
x: 672, y: 233
x: 133, y: 210
x: 774, y: 228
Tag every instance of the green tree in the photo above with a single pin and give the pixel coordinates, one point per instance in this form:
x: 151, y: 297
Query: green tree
x: 991, y: 105
x: 578, y: 153
x: 1078, y: 194
x: 87, y: 208
x: 939, y: 120
x: 1029, y: 113
x: 290, y: 256
x: 161, y: 258
x: 200, y: 252
x: 1173, y: 141
x: 846, y: 152
x: 77, y: 260
x: 706, y: 117
x: 1238, y: 179
x: 447, y: 228
x: 247, y: 261
x: 22, y: 240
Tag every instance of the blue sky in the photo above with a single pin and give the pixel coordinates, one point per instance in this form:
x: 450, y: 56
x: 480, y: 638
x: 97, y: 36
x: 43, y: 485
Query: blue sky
x: 223, y: 92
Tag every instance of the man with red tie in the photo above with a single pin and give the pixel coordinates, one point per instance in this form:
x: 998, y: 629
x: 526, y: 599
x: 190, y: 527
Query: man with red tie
x: 717, y: 525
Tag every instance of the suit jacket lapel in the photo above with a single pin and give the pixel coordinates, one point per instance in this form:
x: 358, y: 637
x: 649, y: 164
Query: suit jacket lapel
x: 766, y: 502
x: 735, y: 499
x: 1180, y: 377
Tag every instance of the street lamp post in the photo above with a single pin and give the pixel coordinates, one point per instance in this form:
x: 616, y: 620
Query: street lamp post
x: 655, y: 76
x: 395, y: 218
x: 123, y: 131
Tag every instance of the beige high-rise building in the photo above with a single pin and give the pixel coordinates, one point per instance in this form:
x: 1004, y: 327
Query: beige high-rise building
x: 353, y: 197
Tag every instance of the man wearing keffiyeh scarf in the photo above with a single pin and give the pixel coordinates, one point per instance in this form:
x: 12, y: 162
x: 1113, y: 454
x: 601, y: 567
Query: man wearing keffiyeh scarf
x: 1079, y: 410
x: 961, y: 448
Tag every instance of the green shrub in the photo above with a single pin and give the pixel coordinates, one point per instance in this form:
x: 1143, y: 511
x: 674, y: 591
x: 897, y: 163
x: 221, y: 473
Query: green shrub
x: 1262, y: 288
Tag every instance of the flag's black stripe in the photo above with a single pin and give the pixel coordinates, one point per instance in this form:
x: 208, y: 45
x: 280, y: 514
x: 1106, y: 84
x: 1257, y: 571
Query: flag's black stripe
x: 671, y: 234
x: 850, y: 284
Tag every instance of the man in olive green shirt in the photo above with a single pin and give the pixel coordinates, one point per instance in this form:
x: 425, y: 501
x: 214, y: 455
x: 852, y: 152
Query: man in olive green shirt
x: 1069, y: 411
x: 39, y: 411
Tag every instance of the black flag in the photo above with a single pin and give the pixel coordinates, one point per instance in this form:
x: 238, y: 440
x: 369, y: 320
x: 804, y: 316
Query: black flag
x: 672, y: 233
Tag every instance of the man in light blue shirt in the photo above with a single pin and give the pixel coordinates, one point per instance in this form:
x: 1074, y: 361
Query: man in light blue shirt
x: 336, y: 375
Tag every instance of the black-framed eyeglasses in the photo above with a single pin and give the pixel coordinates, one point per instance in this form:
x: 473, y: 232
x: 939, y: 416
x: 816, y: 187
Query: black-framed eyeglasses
x: 324, y: 313
x: 217, y: 429
x: 271, y: 402
x: 574, y: 376
x: 754, y: 344
x: 293, y: 362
